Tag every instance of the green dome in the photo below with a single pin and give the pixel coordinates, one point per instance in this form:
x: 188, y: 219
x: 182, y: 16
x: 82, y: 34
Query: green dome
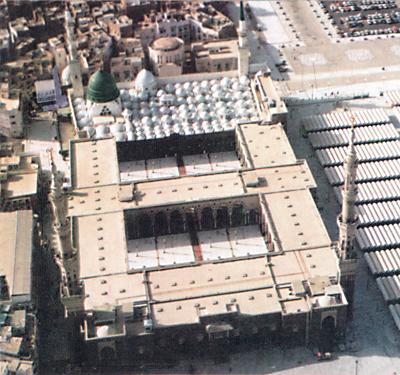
x: 102, y: 88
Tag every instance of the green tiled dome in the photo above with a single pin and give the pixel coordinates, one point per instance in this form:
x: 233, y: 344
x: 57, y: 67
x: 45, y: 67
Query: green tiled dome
x: 102, y: 88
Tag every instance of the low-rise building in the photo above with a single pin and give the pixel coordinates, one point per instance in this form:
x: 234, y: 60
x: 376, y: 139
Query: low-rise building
x: 16, y: 251
x: 215, y: 56
x: 4, y: 45
x: 189, y: 21
x: 121, y: 27
x: 17, y: 295
x: 45, y: 92
x: 125, y: 68
x: 11, y: 124
x: 19, y: 182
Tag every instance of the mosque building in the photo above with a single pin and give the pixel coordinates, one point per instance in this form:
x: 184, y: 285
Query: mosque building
x: 191, y: 223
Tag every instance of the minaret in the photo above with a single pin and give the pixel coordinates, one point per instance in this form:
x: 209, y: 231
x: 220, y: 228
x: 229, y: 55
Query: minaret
x: 243, y: 50
x: 74, y: 65
x: 348, y: 221
x: 61, y: 223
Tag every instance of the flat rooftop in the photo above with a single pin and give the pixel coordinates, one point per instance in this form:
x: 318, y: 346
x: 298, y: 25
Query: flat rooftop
x: 297, y: 220
x: 20, y: 184
x: 16, y: 252
x: 267, y: 145
x: 195, y: 274
x: 95, y: 200
x: 97, y: 164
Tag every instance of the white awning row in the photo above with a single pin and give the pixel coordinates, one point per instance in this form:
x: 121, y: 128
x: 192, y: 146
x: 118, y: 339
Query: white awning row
x: 378, y: 213
x: 395, y: 311
x: 379, y: 237
x: 337, y: 120
x: 393, y: 97
x: 374, y: 171
x: 363, y: 135
x: 389, y: 287
x: 377, y: 191
x: 383, y: 262
x: 367, y: 152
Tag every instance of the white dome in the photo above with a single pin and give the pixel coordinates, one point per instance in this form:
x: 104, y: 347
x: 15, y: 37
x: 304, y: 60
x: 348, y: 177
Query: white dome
x: 103, y: 331
x: 180, y: 101
x: 126, y: 113
x: 130, y: 135
x: 154, y: 112
x: 78, y: 101
x: 166, y: 119
x: 216, y: 87
x: 143, y: 96
x: 200, y: 99
x: 243, y: 80
x: 196, y: 90
x: 169, y: 88
x: 205, y: 116
x: 102, y: 131
x: 187, y: 86
x: 128, y: 126
x: 145, y: 81
x: 204, y: 84
x: 225, y: 82
x: 66, y: 76
x: 145, y: 112
x: 202, y: 107
x: 81, y: 114
x: 117, y: 128
x: 164, y: 110
x: 147, y: 121
x: 124, y: 95
x: 180, y: 92
x: 190, y: 100
x: 84, y: 121
x: 90, y: 131
x: 120, y: 137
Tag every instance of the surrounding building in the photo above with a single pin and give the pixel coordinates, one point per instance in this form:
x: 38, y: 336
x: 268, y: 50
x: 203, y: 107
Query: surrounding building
x: 4, y: 45
x: 11, y: 118
x: 19, y: 182
x: 215, y: 56
x: 45, y: 92
x: 121, y: 27
x: 17, y: 320
x: 190, y: 22
x: 167, y: 56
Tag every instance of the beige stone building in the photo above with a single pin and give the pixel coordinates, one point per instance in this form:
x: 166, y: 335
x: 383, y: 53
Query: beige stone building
x: 215, y: 56
x: 207, y: 248
x: 167, y: 56
x: 11, y: 118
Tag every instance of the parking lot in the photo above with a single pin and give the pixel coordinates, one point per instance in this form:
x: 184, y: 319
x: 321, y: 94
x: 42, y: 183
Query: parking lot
x: 362, y: 18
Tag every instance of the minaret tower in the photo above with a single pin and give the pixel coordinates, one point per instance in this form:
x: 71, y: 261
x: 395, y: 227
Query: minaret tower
x: 61, y: 223
x: 74, y: 65
x: 348, y: 220
x: 243, y: 50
